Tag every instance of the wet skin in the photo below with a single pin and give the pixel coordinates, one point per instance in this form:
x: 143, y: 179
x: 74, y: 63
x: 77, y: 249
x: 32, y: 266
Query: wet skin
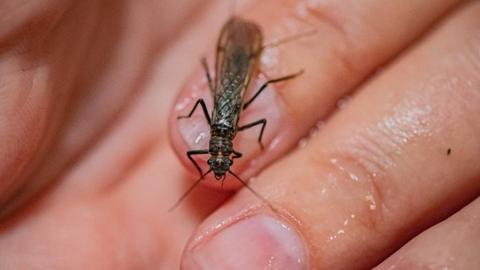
x: 93, y: 155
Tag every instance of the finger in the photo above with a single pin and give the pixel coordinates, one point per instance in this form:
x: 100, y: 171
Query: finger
x: 62, y: 93
x: 28, y: 115
x: 379, y: 173
x: 349, y: 44
x: 452, y: 244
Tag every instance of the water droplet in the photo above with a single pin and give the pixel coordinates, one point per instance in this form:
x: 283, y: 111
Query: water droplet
x: 343, y: 102
x: 275, y: 143
x: 372, y: 202
x: 332, y: 237
x: 336, y: 235
x: 182, y: 104
x: 315, y: 129
x: 200, y: 137
x: 269, y: 59
x: 302, y: 143
x: 354, y: 177
x: 270, y: 262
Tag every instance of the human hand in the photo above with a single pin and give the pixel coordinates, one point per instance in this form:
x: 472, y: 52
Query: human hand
x: 87, y: 172
x: 100, y: 80
x: 383, y: 171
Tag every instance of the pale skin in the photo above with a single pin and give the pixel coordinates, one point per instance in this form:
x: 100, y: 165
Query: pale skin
x: 89, y: 92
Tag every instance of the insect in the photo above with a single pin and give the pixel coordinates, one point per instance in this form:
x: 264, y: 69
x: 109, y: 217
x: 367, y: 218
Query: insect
x: 239, y: 47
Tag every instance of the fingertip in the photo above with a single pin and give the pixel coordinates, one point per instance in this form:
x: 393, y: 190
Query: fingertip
x: 193, y: 133
x: 246, y: 240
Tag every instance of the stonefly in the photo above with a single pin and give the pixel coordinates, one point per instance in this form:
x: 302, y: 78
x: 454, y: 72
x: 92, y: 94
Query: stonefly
x: 239, y: 47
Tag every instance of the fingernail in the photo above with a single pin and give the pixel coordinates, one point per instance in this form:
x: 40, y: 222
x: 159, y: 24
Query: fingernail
x: 259, y: 242
x: 265, y: 106
x: 194, y: 131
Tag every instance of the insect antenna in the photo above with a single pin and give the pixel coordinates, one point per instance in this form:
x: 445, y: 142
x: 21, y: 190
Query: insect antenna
x: 245, y: 184
x: 289, y: 39
x: 177, y: 203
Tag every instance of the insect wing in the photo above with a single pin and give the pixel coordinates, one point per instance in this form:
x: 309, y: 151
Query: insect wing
x: 238, y: 50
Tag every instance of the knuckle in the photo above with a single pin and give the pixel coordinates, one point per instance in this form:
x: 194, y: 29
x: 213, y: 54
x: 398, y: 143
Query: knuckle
x: 360, y: 172
x: 464, y: 26
x: 345, y: 29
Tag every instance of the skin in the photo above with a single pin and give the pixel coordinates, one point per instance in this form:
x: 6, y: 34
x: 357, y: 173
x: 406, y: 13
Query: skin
x: 89, y: 93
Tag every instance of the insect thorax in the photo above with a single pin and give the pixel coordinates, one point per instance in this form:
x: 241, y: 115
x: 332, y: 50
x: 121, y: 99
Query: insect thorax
x: 221, y: 141
x: 223, y: 130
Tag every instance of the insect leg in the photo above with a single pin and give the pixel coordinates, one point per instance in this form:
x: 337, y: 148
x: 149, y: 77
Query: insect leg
x: 236, y: 154
x: 264, y: 86
x: 204, y: 108
x: 207, y: 73
x: 196, y: 152
x: 262, y: 122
